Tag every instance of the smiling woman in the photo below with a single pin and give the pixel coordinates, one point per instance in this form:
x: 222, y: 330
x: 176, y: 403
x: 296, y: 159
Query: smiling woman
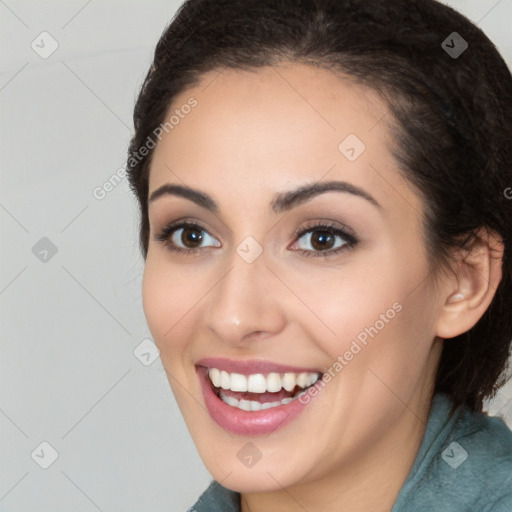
x: 328, y: 269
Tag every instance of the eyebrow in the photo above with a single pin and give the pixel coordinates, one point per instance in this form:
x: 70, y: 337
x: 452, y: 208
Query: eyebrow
x: 282, y: 201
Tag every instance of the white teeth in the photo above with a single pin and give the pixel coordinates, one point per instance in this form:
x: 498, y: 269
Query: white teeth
x: 237, y: 382
x: 253, y: 405
x: 230, y: 400
x: 312, y: 379
x: 245, y: 405
x: 289, y: 381
x: 258, y: 383
x: 303, y: 380
x: 273, y: 382
x: 215, y: 377
x: 268, y: 405
x: 224, y: 379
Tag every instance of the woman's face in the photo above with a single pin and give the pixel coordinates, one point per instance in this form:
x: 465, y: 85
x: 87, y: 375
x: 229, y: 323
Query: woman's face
x: 268, y: 284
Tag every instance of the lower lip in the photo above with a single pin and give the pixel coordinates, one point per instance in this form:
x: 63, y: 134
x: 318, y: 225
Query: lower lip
x: 248, y: 423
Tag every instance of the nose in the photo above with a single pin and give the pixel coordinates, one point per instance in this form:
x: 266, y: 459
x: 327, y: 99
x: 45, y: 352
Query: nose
x: 245, y: 305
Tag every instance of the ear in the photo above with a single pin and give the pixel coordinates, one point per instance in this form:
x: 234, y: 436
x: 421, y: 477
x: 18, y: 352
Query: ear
x: 468, y: 290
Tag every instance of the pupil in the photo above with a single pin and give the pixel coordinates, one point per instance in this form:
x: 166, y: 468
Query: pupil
x: 191, y: 236
x: 322, y: 240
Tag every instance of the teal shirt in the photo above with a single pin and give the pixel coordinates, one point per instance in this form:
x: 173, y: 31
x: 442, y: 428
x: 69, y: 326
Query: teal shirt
x: 464, y: 464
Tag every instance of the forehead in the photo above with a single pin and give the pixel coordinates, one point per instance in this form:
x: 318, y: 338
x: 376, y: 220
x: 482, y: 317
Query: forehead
x: 264, y: 129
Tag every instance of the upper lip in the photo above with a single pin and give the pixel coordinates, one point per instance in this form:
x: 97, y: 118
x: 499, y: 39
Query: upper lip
x: 249, y: 367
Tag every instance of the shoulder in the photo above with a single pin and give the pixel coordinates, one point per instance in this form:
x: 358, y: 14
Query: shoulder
x: 487, y: 443
x: 217, y: 498
x: 503, y: 504
x: 464, y: 463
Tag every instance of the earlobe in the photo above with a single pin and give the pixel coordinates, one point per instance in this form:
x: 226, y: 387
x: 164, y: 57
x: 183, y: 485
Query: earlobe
x: 470, y: 289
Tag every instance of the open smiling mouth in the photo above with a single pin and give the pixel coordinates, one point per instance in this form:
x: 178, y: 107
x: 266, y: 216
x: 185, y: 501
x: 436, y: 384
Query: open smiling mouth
x: 257, y: 391
x: 255, y: 397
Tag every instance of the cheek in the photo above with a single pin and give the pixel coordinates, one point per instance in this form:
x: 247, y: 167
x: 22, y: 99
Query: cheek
x: 379, y: 305
x: 347, y: 300
x: 168, y: 302
x: 167, y: 299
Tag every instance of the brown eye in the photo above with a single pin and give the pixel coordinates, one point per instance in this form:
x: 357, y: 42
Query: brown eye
x: 323, y: 240
x: 191, y: 237
x: 187, y: 237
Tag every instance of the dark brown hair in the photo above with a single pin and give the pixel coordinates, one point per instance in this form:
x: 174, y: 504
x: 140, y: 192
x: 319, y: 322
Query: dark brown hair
x: 451, y: 123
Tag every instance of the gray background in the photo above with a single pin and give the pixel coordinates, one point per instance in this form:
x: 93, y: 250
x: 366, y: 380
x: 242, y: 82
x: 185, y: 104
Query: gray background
x: 72, y: 320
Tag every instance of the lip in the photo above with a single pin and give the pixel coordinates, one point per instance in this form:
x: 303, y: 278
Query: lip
x: 251, y: 366
x: 248, y: 423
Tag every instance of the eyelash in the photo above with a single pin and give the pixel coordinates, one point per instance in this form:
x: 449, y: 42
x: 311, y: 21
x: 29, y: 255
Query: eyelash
x: 350, y: 240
